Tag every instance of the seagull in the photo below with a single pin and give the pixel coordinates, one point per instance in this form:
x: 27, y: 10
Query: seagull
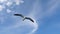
x: 24, y: 17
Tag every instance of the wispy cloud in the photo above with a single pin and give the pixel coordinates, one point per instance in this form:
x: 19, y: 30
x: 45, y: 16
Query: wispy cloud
x: 51, y: 7
x: 32, y: 14
x: 35, y: 25
x: 49, y: 12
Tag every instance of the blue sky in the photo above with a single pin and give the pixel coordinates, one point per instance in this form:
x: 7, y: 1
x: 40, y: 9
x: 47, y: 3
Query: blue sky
x: 45, y: 13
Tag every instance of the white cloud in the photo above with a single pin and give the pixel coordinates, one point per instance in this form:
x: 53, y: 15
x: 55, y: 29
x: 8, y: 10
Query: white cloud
x: 8, y: 11
x: 9, y: 3
x: 21, y: 24
x: 43, y: 14
x: 32, y: 14
x: 35, y: 25
x: 19, y: 1
x: 1, y: 7
x: 52, y: 7
x: 1, y: 1
x: 40, y: 13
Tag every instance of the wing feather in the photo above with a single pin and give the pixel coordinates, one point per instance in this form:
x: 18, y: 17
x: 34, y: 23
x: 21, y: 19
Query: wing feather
x: 19, y: 15
x: 29, y: 19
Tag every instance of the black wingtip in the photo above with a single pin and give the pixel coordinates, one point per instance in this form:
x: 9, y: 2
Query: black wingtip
x: 33, y: 21
x: 15, y: 14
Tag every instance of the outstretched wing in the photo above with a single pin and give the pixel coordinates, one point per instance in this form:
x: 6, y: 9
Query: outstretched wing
x: 28, y: 19
x: 19, y: 15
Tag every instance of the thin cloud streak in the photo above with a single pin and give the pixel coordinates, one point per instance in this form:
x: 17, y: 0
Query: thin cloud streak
x: 32, y: 14
x: 34, y: 9
x: 53, y: 6
x: 50, y: 10
x: 35, y: 25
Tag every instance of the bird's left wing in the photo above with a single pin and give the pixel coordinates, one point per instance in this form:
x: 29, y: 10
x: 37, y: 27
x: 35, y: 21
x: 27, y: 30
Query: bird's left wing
x: 19, y: 15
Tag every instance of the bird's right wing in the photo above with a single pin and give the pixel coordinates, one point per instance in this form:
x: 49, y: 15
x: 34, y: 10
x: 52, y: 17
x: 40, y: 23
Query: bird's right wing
x: 28, y: 19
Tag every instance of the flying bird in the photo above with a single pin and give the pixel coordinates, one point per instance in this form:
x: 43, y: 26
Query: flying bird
x: 24, y: 17
x: 19, y: 15
x: 28, y: 19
